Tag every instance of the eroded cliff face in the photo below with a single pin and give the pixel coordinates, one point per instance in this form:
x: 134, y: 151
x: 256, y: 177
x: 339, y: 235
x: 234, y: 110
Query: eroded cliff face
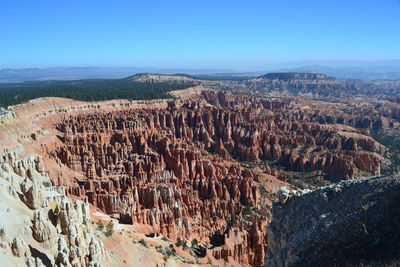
x: 155, y: 168
x: 353, y: 223
x: 39, y: 225
x: 177, y: 169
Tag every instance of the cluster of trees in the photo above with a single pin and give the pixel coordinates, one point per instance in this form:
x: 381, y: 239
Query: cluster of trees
x: 109, y: 228
x: 86, y: 90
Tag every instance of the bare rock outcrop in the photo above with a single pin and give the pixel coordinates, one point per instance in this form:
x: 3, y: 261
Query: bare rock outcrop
x: 42, y: 228
x: 6, y: 115
x: 32, y: 195
x: 352, y: 223
x: 39, y: 215
x: 19, y: 247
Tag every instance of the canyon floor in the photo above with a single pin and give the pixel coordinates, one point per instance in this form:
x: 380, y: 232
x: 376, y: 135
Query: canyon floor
x: 186, y: 181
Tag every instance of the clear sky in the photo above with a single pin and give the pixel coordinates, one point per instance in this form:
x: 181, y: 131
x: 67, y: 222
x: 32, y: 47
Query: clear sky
x: 196, y: 34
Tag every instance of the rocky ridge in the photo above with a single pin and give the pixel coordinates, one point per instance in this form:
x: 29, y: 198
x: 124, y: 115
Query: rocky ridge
x: 40, y: 226
x: 352, y: 223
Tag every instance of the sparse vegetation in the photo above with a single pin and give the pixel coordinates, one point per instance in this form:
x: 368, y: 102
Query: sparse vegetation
x: 184, y: 245
x: 194, y: 243
x: 231, y: 222
x: 178, y: 242
x: 100, y: 225
x: 167, y: 252
x: 143, y: 243
x: 247, y: 209
x: 171, y: 251
x: 392, y: 143
x: 109, y: 229
x: 263, y: 191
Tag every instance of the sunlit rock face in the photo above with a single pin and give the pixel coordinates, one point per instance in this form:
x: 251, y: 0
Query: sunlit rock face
x: 177, y: 169
x: 39, y: 225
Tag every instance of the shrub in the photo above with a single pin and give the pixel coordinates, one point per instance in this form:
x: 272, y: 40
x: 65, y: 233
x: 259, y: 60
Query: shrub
x: 178, y: 242
x: 110, y: 229
x: 194, y: 243
x: 247, y: 210
x: 171, y: 251
x: 143, y: 243
x: 230, y: 222
x: 100, y: 225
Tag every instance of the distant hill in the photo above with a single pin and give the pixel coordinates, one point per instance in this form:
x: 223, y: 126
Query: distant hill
x: 79, y: 73
x: 161, y: 78
x: 354, y: 73
x: 286, y: 76
x: 66, y: 73
x: 340, y: 69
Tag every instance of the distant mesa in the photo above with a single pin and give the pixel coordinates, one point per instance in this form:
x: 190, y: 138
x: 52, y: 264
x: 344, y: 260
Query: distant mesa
x: 282, y: 76
x: 286, y: 76
x: 146, y: 76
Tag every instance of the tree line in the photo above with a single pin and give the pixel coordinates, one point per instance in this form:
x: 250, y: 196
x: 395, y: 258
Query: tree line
x: 86, y: 90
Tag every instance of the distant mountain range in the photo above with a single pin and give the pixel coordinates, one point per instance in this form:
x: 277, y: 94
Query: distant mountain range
x: 360, y: 70
x: 287, y: 76
x: 78, y: 73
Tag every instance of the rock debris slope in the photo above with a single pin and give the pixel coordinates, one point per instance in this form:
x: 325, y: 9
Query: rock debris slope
x: 39, y: 225
x: 346, y: 224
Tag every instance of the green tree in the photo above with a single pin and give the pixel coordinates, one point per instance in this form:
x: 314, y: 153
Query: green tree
x: 109, y: 229
x: 194, y: 243
x: 143, y: 242
x: 178, y: 242
x: 100, y: 225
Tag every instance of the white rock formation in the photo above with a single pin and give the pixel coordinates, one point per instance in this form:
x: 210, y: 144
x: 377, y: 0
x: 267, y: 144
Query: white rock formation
x: 39, y: 225
x: 6, y: 115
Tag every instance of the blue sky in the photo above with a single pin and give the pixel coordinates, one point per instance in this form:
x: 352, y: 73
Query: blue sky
x: 195, y: 34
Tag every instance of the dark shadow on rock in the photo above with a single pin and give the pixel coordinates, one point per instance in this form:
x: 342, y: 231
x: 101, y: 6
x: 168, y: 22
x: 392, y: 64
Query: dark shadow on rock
x: 37, y: 254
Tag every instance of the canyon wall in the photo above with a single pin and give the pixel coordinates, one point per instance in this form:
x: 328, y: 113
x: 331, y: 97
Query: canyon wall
x: 203, y: 168
x: 178, y: 169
